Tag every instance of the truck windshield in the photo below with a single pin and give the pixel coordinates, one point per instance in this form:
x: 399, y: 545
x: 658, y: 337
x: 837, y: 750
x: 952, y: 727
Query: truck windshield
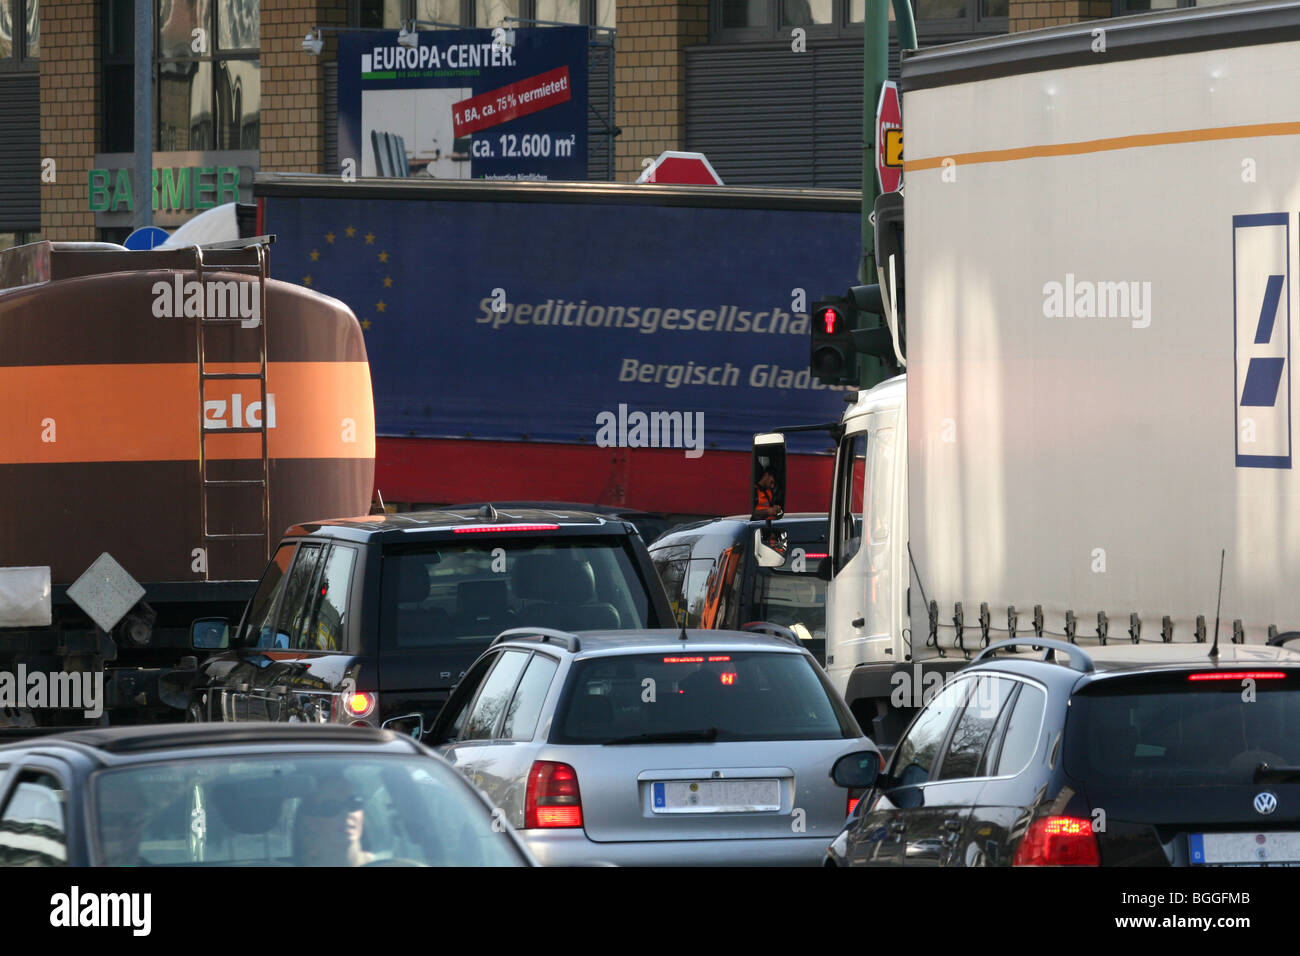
x: 467, y: 592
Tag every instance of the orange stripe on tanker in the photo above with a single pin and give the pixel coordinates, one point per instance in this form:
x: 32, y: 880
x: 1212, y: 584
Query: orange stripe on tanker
x: 150, y: 412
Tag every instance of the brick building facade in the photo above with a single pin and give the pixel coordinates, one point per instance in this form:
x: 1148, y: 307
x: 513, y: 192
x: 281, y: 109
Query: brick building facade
x: 671, y: 56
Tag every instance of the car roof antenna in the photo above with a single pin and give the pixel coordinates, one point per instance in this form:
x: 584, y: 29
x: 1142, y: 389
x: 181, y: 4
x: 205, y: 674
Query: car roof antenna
x: 1214, y: 648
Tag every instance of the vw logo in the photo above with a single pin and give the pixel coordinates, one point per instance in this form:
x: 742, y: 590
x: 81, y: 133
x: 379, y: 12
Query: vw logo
x: 1265, y: 802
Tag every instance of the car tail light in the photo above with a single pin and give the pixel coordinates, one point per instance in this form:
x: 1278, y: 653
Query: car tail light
x: 488, y: 528
x: 1058, y: 841
x: 1238, y: 675
x: 358, y: 704
x: 552, y: 799
x: 854, y: 797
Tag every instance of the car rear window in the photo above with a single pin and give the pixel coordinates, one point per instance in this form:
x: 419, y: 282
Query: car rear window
x: 464, y: 592
x: 727, y: 695
x: 290, y: 809
x: 1173, y: 730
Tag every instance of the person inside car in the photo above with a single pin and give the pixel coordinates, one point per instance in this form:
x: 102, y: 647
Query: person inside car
x: 328, y: 826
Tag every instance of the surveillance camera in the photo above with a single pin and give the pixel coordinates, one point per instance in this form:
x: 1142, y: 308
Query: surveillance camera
x: 313, y: 42
x: 408, y: 39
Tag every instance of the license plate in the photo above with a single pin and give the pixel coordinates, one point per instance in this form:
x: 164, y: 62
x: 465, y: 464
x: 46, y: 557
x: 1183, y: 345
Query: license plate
x: 716, y: 796
x: 1256, y: 849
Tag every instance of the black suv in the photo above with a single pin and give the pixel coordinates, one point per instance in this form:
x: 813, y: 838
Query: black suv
x: 1129, y: 755
x: 359, y: 620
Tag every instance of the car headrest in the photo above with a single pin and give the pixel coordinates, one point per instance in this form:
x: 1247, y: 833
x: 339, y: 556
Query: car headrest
x: 481, y: 597
x: 255, y: 805
x: 414, y: 584
x: 555, y: 579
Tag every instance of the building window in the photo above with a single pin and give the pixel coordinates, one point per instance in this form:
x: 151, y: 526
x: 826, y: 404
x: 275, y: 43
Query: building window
x: 1120, y: 8
x: 10, y: 239
x: 391, y: 14
x: 207, y: 75
x: 20, y: 35
x: 746, y: 21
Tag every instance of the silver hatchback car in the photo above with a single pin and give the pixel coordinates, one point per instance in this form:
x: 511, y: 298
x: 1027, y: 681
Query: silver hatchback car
x: 650, y: 747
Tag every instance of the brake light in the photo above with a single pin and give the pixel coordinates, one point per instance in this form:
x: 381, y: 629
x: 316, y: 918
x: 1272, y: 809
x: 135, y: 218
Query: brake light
x: 727, y: 677
x: 1239, y: 675
x: 853, y: 802
x: 480, y: 529
x: 359, y: 704
x: 1058, y: 841
x: 552, y: 799
x: 815, y: 554
x: 712, y: 659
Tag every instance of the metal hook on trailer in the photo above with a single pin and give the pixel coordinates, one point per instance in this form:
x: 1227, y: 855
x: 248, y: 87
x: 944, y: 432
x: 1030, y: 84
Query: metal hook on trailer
x: 959, y: 625
x: 933, y: 639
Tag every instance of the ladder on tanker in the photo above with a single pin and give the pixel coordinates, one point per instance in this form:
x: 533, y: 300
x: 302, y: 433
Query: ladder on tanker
x: 206, y: 484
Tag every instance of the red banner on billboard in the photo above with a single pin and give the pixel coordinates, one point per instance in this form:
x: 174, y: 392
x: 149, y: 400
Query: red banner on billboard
x: 511, y: 102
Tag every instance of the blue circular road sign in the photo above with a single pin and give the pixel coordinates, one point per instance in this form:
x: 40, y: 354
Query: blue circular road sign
x: 146, y: 237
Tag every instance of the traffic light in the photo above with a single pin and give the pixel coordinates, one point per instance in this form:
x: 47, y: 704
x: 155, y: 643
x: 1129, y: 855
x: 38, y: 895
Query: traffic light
x: 834, y: 358
x: 875, y: 340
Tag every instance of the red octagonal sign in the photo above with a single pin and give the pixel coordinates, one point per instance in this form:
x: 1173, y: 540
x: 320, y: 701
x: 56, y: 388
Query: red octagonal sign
x: 889, y: 132
x: 683, y: 169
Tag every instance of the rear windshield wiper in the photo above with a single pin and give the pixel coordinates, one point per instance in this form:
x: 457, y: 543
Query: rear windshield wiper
x: 680, y: 736
x: 1268, y: 773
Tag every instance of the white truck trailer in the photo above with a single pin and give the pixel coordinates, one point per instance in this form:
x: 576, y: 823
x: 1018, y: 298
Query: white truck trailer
x: 1101, y: 253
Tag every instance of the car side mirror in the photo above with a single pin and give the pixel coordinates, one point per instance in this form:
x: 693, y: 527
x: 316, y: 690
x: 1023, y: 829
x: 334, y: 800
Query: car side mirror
x: 857, y: 771
x: 767, y: 557
x: 417, y: 731
x: 210, y: 634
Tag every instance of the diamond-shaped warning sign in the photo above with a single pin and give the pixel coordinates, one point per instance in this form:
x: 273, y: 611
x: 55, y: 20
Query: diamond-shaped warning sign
x: 105, y: 591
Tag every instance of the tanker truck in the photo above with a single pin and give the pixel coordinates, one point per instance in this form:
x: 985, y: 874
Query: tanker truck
x: 164, y: 415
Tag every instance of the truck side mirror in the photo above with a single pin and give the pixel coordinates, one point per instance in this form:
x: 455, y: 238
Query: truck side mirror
x: 767, y: 477
x: 210, y: 634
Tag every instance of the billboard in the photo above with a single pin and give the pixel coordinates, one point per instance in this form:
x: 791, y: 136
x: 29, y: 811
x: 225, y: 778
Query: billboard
x: 541, y: 321
x: 464, y: 104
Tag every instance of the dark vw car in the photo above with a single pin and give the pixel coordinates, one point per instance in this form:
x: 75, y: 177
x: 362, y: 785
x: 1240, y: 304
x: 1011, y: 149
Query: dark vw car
x: 1130, y: 755
x: 363, y: 619
x: 714, y: 569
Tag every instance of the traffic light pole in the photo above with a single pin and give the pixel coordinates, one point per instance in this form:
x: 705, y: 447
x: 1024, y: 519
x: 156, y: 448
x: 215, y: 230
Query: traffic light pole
x: 875, y: 71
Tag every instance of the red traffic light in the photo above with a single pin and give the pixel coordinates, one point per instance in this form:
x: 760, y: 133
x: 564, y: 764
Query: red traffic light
x: 832, y: 320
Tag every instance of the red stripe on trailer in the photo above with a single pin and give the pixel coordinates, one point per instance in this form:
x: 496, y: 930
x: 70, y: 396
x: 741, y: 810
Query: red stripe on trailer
x: 441, y: 471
